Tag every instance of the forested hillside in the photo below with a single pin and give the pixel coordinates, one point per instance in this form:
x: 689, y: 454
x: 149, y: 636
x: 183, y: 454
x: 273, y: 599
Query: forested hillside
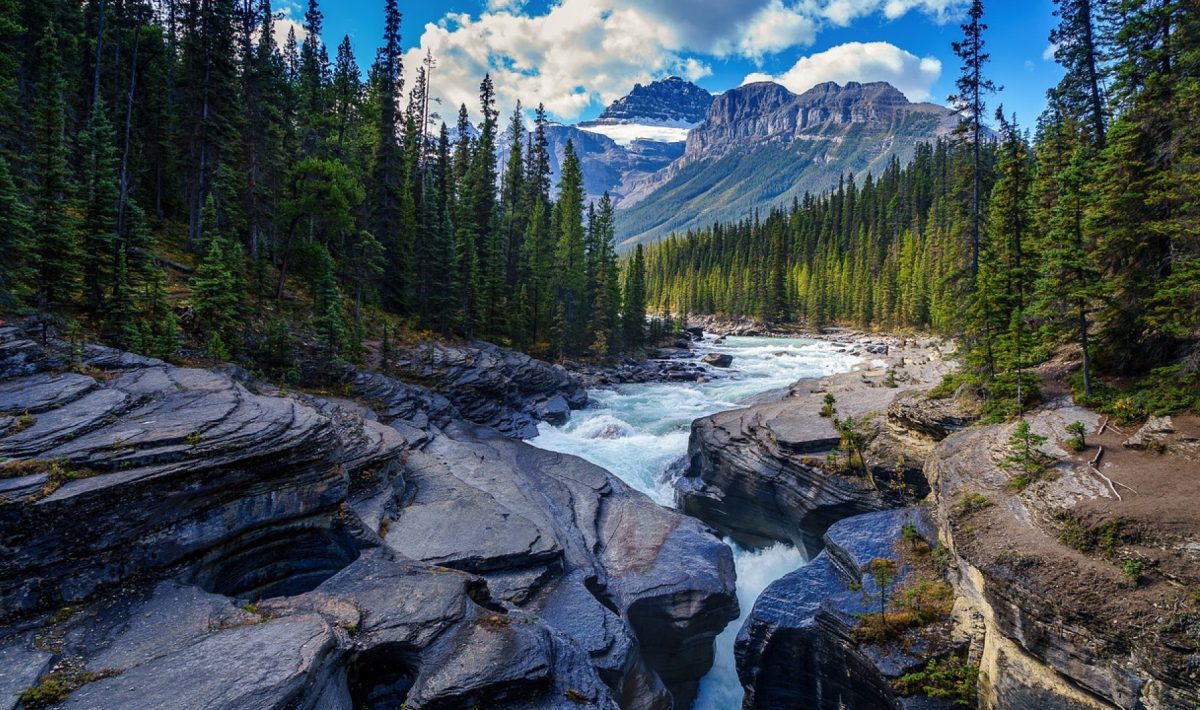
x: 1085, y: 233
x: 170, y: 177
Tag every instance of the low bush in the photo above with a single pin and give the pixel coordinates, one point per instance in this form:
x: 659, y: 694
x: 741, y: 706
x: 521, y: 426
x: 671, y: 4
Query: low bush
x: 952, y: 679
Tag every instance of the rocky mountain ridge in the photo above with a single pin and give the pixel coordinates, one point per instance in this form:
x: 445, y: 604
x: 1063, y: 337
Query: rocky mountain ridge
x: 761, y: 145
x: 669, y: 101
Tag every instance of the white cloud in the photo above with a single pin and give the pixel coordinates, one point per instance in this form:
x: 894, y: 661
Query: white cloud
x: 289, y: 20
x: 862, y: 62
x: 1049, y: 52
x: 510, y: 5
x: 775, y: 28
x: 582, y: 51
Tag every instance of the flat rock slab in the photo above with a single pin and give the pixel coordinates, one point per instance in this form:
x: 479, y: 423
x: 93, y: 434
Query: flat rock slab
x: 269, y: 665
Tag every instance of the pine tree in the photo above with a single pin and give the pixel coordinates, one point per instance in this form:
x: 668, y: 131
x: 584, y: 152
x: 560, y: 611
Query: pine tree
x: 99, y: 194
x: 215, y: 299
x: 16, y: 243
x: 633, y: 307
x: 570, y: 284
x: 971, y: 102
x: 346, y: 89
x: 56, y: 253
x: 1077, y: 49
x: 327, y: 308
x: 387, y: 162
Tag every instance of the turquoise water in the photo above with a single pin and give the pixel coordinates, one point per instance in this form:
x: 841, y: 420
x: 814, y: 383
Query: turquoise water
x: 638, y: 431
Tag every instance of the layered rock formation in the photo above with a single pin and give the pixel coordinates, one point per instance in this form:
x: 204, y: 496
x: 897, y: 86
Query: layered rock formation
x: 176, y: 538
x: 767, y: 112
x: 760, y: 475
x: 798, y: 646
x: 1077, y: 586
x: 664, y: 102
x: 508, y: 391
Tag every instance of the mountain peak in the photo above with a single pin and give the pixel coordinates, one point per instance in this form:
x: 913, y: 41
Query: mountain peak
x: 672, y: 100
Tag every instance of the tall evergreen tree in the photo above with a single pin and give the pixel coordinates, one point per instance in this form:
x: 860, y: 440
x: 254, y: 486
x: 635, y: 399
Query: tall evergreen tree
x: 99, y: 194
x: 570, y: 277
x: 971, y: 103
x: 633, y: 305
x: 57, y: 250
x: 16, y: 243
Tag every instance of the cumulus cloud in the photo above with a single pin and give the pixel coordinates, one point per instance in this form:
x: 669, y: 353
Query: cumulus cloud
x: 1049, y: 52
x: 578, y: 52
x: 862, y: 62
x: 289, y: 18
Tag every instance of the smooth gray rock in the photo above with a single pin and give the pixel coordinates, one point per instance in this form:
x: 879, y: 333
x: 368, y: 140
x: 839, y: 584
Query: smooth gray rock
x: 636, y: 583
x: 505, y: 390
x: 21, y: 665
x: 796, y: 649
x: 275, y: 664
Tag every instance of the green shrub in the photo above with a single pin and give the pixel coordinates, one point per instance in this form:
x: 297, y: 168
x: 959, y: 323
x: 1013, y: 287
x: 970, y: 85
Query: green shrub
x: 1078, y: 432
x: 952, y: 679
x: 970, y: 503
x: 1106, y: 537
x: 1133, y: 571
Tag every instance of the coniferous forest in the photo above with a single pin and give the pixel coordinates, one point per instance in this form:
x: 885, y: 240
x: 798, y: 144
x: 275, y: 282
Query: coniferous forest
x: 312, y: 199
x: 1081, y: 231
x: 175, y: 180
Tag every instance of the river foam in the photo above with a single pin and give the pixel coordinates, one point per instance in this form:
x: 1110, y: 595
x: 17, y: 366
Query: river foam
x: 638, y: 431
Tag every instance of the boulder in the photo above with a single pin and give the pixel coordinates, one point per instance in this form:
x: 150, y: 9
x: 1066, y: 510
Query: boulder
x: 718, y: 359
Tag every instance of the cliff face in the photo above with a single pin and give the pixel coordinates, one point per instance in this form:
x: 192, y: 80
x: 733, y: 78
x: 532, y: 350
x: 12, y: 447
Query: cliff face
x: 1043, y: 573
x: 187, y: 538
x: 1074, y: 589
x: 670, y: 100
x: 760, y: 474
x: 767, y: 112
x: 798, y: 648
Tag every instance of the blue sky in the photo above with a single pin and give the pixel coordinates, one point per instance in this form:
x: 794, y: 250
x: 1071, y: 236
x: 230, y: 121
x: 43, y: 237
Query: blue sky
x: 577, y: 55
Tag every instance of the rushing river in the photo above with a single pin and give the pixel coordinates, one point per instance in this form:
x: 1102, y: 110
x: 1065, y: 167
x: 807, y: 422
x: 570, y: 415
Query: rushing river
x: 638, y: 431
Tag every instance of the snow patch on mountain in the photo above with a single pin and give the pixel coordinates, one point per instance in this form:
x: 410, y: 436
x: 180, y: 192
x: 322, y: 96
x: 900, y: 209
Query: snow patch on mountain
x: 625, y: 133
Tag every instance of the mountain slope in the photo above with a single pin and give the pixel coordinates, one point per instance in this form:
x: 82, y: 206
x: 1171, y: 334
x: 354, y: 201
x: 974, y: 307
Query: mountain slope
x: 760, y: 146
x: 607, y: 165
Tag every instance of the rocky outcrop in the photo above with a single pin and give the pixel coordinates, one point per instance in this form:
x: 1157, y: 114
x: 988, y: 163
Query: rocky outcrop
x: 798, y: 647
x: 176, y: 538
x: 1061, y: 617
x: 508, y: 391
x: 568, y: 542
x: 760, y: 475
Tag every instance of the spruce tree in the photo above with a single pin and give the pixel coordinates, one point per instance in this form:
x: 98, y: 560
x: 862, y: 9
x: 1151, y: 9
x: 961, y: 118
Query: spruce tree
x: 1077, y: 48
x: 57, y: 250
x: 16, y: 243
x: 633, y: 305
x: 99, y: 194
x: 570, y: 284
x: 327, y: 308
x: 971, y: 103
x: 215, y: 300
